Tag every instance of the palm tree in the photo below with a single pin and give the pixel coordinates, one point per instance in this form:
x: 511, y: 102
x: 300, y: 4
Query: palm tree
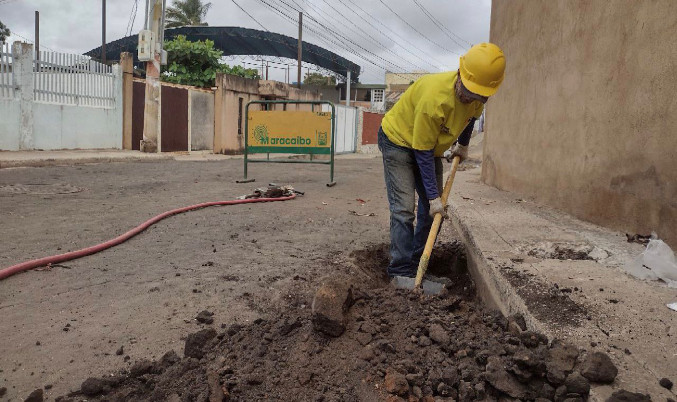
x: 186, y: 12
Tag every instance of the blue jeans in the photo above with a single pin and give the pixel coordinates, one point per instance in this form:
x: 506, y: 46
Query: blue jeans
x: 403, y: 181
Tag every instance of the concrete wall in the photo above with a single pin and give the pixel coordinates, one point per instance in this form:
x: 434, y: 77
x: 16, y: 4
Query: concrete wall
x: 10, y: 110
x: 585, y: 120
x: 74, y: 127
x: 201, y: 120
x: 230, y: 89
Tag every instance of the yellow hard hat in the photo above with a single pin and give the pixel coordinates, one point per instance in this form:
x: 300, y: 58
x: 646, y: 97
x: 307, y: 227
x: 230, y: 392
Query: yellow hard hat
x: 482, y: 69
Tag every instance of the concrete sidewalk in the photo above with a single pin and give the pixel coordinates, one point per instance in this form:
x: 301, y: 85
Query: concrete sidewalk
x: 10, y: 159
x: 14, y: 159
x: 590, y: 302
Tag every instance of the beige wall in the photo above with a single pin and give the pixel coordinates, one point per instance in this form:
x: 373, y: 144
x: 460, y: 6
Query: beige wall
x: 586, y: 118
x: 230, y: 89
x: 402, y: 78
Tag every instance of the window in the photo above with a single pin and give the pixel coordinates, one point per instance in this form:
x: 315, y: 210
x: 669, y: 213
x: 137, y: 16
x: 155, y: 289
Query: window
x: 377, y: 95
x: 239, y: 115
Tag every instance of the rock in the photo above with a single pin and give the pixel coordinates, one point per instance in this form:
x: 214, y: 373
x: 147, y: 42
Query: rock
x: 195, y: 343
x: 3, y: 391
x: 92, y: 386
x: 438, y: 334
x: 289, y: 326
x: 665, y: 383
x: 554, y: 375
x: 120, y: 351
x: 396, y: 383
x: 367, y: 354
x: 424, y: 341
x: 598, y: 367
x: 532, y: 339
x: 499, y: 378
x: 577, y: 384
x: 205, y: 317
x: 627, y: 396
x: 563, y: 355
x: 519, y: 321
x: 140, y: 368
x: 35, y: 396
x: 169, y: 359
x: 415, y: 379
x: 330, y: 303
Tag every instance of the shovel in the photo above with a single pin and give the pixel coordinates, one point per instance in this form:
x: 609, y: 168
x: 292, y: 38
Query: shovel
x: 418, y: 283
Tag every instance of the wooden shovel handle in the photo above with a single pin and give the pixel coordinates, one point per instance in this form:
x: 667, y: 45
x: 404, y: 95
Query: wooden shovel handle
x: 437, y: 221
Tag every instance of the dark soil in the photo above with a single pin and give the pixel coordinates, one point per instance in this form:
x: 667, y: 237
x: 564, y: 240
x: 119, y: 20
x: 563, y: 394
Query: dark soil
x: 396, y: 342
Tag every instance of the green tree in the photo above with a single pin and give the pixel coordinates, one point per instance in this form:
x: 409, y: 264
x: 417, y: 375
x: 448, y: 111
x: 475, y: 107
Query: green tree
x: 196, y: 63
x: 319, y: 79
x: 186, y: 12
x: 4, y: 32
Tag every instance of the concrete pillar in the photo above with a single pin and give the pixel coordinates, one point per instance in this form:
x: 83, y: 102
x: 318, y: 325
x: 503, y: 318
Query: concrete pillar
x: 151, y: 141
x: 126, y: 62
x: 22, y: 63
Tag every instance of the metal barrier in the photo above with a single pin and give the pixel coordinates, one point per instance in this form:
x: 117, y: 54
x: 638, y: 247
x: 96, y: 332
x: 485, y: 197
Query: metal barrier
x: 290, y: 132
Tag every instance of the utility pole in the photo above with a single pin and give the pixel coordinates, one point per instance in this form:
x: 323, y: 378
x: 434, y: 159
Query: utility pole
x: 150, y: 42
x: 103, y: 31
x: 37, y: 35
x: 348, y: 88
x: 300, y: 49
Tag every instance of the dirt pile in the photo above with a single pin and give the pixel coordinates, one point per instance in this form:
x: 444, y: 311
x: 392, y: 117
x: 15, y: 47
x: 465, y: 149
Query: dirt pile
x: 376, y: 343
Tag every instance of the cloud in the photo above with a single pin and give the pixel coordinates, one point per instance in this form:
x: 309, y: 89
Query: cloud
x: 74, y: 26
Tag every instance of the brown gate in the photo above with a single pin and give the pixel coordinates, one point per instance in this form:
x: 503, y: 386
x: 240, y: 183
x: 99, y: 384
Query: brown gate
x: 174, y: 117
x: 138, y: 103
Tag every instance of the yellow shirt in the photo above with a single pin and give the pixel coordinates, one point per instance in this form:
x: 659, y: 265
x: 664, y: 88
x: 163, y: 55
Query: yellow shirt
x: 429, y: 114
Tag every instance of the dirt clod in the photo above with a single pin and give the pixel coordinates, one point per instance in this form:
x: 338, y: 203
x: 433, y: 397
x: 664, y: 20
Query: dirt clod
x: 196, y: 342
x: 331, y: 302
x: 92, y: 386
x: 665, y: 383
x: 396, y: 383
x: 35, y: 396
x: 205, y: 317
x: 598, y: 367
x: 627, y: 396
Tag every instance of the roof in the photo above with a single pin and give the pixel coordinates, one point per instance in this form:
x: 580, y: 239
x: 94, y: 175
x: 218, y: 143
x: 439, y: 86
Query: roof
x: 243, y: 41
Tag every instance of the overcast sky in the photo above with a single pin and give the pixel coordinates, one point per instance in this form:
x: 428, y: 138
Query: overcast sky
x: 412, y: 41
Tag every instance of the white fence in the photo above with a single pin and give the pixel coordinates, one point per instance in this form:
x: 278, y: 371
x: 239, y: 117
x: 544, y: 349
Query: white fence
x: 6, y: 73
x: 71, y: 79
x: 346, y: 127
x: 57, y: 101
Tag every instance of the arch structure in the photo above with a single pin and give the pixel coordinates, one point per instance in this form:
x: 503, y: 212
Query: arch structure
x: 243, y: 41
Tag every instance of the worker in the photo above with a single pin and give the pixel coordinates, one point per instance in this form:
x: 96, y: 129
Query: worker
x: 432, y: 114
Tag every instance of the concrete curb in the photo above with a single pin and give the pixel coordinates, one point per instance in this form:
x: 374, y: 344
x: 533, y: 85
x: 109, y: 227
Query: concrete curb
x: 18, y: 163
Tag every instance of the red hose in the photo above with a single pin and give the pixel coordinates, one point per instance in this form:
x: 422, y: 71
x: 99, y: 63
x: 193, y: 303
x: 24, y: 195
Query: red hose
x: 54, y: 259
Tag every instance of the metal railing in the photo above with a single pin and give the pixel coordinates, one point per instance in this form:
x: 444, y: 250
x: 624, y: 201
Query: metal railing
x: 73, y: 79
x: 6, y: 72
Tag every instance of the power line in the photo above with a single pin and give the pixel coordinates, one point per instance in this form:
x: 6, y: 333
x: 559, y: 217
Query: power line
x: 281, y: 42
x: 363, y: 12
x: 366, y: 34
x: 28, y: 40
x: 442, y: 28
x: 416, y: 30
x: 250, y: 16
x: 340, y: 35
x: 132, y: 18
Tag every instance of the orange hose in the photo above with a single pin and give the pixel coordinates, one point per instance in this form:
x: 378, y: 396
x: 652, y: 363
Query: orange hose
x: 55, y: 259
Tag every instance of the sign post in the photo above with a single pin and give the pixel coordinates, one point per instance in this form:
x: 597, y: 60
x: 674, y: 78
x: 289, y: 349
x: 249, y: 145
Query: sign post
x: 289, y: 132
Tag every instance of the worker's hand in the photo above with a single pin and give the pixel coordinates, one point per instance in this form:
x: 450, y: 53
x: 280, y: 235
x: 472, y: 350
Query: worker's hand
x: 457, y: 150
x: 436, y: 207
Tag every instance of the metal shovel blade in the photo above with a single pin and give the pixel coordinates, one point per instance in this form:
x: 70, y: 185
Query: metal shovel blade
x: 429, y: 287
